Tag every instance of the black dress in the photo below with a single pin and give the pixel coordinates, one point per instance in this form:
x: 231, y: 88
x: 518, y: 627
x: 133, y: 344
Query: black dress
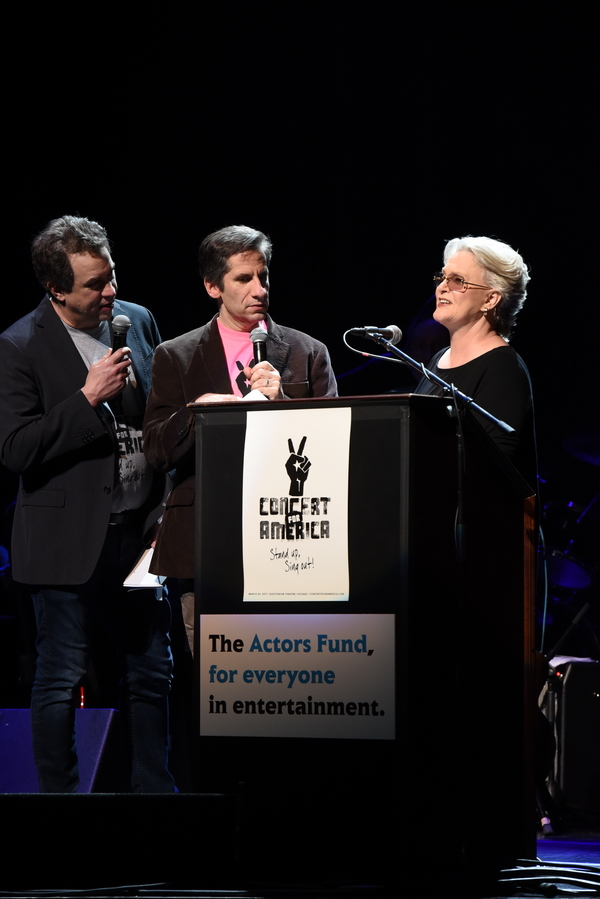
x: 499, y: 382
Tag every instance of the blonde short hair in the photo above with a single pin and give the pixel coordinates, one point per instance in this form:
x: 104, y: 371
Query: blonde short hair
x: 505, y: 272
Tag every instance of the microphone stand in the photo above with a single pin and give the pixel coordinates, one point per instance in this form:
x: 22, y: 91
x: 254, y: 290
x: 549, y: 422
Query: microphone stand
x: 449, y: 389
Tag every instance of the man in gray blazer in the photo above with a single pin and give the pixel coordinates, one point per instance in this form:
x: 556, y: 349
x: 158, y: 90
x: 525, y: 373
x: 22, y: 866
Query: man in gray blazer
x: 70, y: 426
x: 215, y: 363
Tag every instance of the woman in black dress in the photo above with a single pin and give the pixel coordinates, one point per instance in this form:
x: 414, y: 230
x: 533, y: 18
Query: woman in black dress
x: 480, y: 290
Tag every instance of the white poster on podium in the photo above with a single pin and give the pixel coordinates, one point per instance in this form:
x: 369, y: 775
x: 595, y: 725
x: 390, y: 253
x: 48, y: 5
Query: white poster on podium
x: 295, y: 505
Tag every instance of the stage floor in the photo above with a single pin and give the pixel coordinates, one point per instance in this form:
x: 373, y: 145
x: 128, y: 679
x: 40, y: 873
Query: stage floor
x: 582, y: 846
x: 567, y: 862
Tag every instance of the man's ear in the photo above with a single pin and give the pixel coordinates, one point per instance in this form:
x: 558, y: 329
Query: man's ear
x: 56, y: 294
x: 213, y: 290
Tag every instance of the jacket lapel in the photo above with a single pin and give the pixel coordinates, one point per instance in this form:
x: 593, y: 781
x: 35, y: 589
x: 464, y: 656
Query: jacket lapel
x: 59, y: 347
x: 278, y: 349
x: 208, y: 371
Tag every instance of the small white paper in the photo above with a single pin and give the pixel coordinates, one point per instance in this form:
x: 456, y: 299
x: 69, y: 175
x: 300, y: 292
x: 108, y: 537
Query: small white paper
x: 255, y: 396
x: 139, y: 576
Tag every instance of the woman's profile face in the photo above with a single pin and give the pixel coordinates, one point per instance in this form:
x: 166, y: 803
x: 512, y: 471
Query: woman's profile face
x: 458, y: 304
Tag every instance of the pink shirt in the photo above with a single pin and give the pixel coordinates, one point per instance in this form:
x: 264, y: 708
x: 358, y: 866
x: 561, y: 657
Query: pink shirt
x: 239, y: 353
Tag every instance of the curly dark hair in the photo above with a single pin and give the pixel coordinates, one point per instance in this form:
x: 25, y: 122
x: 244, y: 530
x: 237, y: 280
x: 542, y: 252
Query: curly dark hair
x: 217, y: 248
x: 62, y: 237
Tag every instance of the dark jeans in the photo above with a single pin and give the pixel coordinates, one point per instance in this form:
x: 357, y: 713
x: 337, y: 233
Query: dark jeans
x: 137, y: 625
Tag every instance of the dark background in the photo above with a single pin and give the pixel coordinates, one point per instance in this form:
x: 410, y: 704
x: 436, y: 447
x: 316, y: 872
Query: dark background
x: 359, y: 139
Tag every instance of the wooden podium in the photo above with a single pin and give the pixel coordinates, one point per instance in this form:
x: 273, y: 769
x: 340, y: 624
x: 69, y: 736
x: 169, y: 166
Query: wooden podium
x: 449, y: 789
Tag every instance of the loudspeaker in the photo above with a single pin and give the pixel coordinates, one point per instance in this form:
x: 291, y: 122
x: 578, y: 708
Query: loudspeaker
x: 96, y: 743
x: 578, y: 736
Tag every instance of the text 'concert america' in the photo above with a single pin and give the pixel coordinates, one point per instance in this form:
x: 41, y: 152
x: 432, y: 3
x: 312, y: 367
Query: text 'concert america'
x: 294, y: 518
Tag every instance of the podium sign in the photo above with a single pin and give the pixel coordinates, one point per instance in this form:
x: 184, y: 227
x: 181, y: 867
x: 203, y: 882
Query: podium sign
x: 295, y: 505
x: 320, y: 676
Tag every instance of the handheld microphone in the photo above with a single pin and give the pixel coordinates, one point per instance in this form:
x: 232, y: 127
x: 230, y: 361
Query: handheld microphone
x: 259, y: 340
x: 120, y: 326
x: 391, y: 333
